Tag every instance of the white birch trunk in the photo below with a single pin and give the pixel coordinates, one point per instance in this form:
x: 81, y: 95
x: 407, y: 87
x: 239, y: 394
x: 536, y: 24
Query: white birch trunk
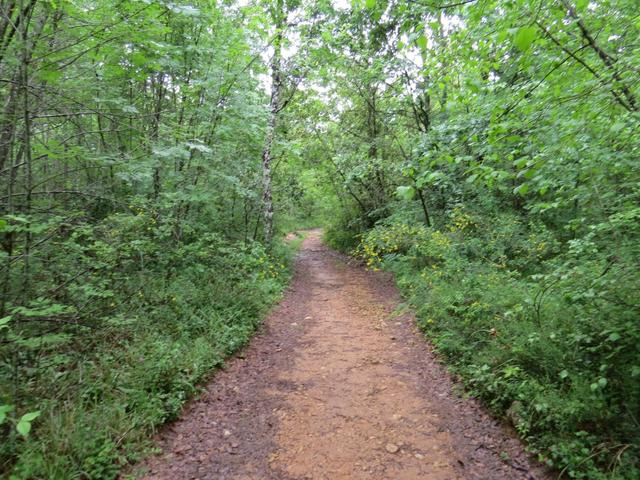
x: 274, y: 108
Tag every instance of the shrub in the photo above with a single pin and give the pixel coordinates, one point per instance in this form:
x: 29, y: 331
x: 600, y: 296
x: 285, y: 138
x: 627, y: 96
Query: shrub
x: 546, y: 336
x: 164, y: 313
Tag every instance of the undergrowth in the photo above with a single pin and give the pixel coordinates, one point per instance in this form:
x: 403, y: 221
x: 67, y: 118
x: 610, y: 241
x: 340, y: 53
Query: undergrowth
x: 545, y: 336
x: 164, y: 313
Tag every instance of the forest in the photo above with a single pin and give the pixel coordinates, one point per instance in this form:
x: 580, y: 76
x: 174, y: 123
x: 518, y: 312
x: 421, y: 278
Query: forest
x: 154, y: 154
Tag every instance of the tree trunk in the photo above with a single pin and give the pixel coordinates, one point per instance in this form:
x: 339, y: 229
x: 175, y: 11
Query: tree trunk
x: 274, y: 107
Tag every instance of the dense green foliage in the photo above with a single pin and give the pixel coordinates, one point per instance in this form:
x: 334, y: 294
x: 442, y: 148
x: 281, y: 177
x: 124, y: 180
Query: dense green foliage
x: 486, y: 151
x: 130, y: 139
x: 500, y: 183
x: 104, y: 382
x: 554, y: 352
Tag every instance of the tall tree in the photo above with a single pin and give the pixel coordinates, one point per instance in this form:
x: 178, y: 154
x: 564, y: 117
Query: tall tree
x: 278, y: 16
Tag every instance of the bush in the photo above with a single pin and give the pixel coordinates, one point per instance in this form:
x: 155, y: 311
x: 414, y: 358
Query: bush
x: 164, y: 313
x: 546, y: 337
x: 344, y: 232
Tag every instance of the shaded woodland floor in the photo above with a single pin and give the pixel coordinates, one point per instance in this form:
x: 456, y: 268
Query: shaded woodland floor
x: 339, y: 384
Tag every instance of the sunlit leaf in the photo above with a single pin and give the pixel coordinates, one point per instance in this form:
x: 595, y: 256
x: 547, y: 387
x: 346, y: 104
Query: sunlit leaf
x: 406, y: 192
x: 24, y: 424
x: 524, y: 37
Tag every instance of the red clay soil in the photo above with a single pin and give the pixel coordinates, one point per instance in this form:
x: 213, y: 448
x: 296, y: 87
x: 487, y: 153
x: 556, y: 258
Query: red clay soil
x: 337, y: 385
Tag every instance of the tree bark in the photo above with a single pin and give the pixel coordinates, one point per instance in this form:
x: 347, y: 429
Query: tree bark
x: 425, y: 210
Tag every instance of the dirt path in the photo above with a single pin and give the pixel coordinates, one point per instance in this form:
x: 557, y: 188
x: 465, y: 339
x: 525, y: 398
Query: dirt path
x: 336, y: 386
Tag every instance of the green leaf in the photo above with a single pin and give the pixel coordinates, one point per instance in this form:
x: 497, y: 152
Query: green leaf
x: 524, y: 37
x: 521, y: 162
x: 17, y: 218
x: 24, y: 425
x: 421, y: 41
x: 370, y: 4
x: 50, y: 75
x: 617, y: 127
x: 521, y: 189
x: 30, y: 416
x: 187, y: 10
x: 614, y: 337
x: 199, y: 147
x: 564, y: 374
x: 433, y: 177
x: 4, y: 409
x: 4, y: 322
x: 130, y: 109
x: 406, y: 192
x: 581, y: 5
x: 23, y: 428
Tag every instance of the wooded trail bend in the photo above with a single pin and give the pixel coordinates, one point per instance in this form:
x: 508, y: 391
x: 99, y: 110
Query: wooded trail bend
x: 337, y: 385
